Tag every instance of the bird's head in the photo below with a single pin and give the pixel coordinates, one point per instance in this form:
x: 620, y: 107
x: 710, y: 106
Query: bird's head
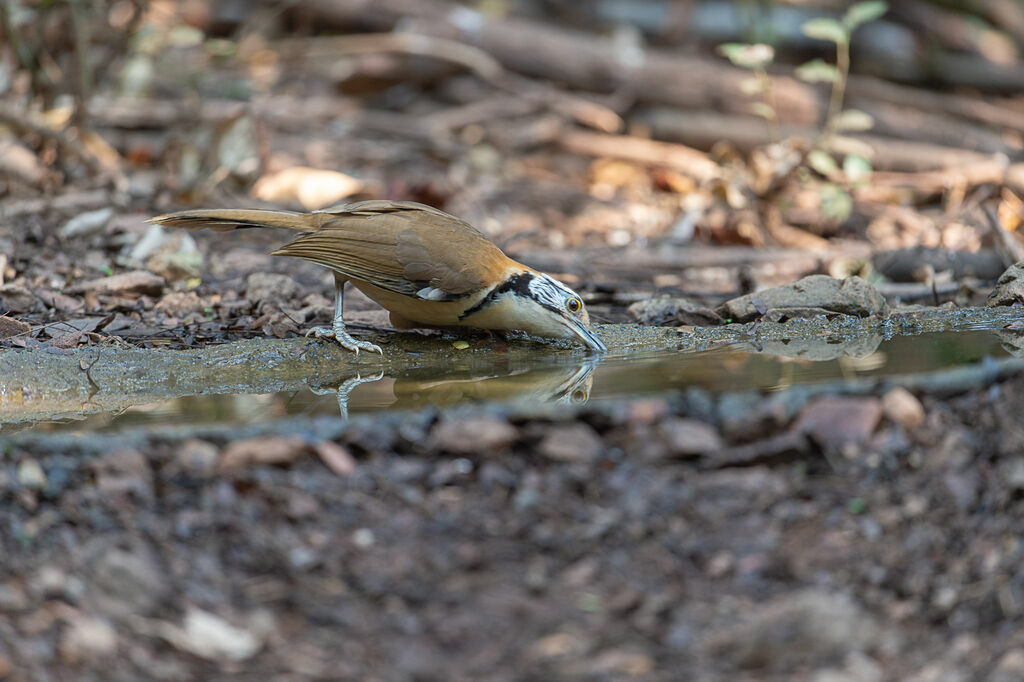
x: 537, y: 304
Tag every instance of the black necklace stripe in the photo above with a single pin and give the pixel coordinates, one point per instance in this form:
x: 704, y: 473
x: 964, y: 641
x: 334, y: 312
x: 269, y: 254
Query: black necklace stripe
x: 518, y: 283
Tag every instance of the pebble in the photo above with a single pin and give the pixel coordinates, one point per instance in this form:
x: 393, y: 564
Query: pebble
x: 571, y: 443
x: 140, y: 282
x: 11, y: 327
x: 273, y: 450
x: 689, y: 437
x: 476, y: 435
x: 793, y: 630
x: 270, y: 287
x: 836, y: 421
x: 88, y: 223
x: 903, y: 408
x: 87, y: 639
x: 31, y: 474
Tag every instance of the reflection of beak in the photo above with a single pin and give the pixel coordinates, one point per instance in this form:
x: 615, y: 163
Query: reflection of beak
x: 586, y: 334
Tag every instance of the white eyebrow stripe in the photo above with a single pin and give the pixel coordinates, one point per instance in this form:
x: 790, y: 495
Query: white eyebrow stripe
x: 549, y: 292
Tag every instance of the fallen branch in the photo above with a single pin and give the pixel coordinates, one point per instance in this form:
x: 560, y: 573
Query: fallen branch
x: 690, y: 161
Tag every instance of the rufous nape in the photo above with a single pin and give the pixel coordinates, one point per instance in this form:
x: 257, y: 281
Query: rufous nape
x: 426, y: 267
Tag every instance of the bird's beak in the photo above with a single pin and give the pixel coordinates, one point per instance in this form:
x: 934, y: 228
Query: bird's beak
x: 586, y: 335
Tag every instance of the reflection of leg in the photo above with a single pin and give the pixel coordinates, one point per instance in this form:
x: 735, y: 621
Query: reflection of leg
x: 343, y: 391
x: 337, y: 330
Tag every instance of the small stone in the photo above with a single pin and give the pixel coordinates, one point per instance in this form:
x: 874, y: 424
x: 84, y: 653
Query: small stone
x: 179, y: 303
x: 88, y: 223
x: 12, y: 598
x: 177, y: 257
x: 31, y: 474
x: 136, y: 282
x: 16, y: 298
x: 209, y: 636
x: 1013, y: 474
x: 903, y: 408
x: 673, y: 311
x: 945, y: 598
x: 571, y: 443
x: 476, y: 435
x: 1010, y: 667
x: 689, y: 437
x: 270, y: 287
x: 835, y: 421
x: 124, y: 471
x: 619, y: 664
x: 1009, y: 287
x: 363, y: 538
x: 49, y: 581
x: 858, y: 668
x: 87, y: 639
x: 274, y: 450
x: 126, y: 583
x: 336, y: 457
x: 794, y: 630
x: 11, y: 327
x: 197, y: 457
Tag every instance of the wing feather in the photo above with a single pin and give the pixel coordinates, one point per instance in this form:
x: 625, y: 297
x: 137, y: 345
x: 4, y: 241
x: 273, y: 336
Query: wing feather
x: 403, y: 247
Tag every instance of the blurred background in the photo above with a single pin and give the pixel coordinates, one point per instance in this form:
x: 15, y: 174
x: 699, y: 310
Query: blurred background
x: 844, y: 137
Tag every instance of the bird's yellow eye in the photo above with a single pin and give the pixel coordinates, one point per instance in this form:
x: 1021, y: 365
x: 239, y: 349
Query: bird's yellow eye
x: 578, y: 397
x: 573, y: 304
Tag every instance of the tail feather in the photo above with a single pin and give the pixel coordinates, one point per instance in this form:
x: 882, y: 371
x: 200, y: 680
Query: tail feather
x: 231, y: 219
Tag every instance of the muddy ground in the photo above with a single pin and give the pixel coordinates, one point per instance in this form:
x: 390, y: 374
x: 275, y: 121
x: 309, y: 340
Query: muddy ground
x: 688, y: 537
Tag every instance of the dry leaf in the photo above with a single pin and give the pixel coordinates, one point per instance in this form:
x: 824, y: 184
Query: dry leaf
x: 312, y: 187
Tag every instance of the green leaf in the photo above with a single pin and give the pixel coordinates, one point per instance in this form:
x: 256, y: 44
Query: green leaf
x: 862, y: 13
x: 817, y: 71
x: 822, y: 162
x: 854, y: 120
x: 836, y: 202
x: 824, y: 28
x: 856, y: 168
x: 755, y: 56
x: 763, y: 110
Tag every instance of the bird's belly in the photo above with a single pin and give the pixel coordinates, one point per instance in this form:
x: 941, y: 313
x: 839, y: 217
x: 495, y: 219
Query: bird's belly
x: 420, y: 311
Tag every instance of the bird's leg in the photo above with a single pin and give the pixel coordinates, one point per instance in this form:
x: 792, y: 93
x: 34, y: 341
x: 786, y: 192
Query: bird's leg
x: 345, y: 389
x: 337, y: 330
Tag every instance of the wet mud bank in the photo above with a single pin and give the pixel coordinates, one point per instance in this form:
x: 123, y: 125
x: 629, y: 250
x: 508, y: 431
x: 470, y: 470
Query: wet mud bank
x: 49, y: 384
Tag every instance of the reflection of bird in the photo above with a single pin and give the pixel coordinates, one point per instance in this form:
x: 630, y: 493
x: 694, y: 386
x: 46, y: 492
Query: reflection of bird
x: 569, y: 385
x: 561, y: 384
x: 428, y: 268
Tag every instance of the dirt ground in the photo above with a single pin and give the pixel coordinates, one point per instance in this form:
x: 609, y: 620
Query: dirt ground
x: 627, y: 542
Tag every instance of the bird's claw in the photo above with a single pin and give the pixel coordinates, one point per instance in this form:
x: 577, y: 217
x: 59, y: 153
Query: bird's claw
x: 344, y: 339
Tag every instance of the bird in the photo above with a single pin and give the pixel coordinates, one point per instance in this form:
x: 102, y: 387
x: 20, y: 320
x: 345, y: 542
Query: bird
x: 426, y: 267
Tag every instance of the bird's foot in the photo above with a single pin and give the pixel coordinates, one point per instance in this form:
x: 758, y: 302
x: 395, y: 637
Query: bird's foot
x: 344, y: 339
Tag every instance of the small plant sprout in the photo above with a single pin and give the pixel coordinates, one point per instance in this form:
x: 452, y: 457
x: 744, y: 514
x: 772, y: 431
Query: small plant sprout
x: 836, y: 202
x: 756, y: 58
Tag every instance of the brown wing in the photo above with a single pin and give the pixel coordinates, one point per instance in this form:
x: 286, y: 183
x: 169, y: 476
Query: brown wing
x: 404, y: 247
